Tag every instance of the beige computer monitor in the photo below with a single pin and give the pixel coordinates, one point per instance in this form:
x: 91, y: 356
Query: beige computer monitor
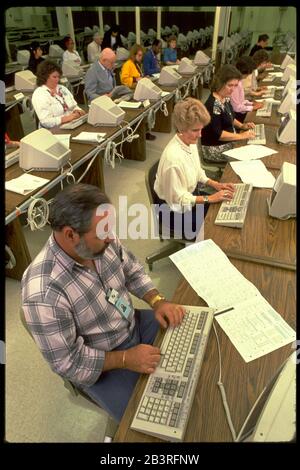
x: 282, y: 202
x: 286, y: 133
x: 146, y: 90
x: 55, y: 51
x: 25, y: 80
x: 70, y: 69
x: 23, y: 57
x: 288, y: 102
x: 186, y: 66
x: 286, y: 61
x: 42, y: 150
x: 168, y: 76
x: 104, y: 112
x: 290, y: 71
x: 201, y: 58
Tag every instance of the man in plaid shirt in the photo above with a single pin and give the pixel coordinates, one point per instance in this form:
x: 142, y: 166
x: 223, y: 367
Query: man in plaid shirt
x: 75, y: 297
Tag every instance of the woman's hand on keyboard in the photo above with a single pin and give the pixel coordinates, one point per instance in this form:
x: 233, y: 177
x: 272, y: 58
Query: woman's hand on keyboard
x: 70, y: 117
x: 167, y: 313
x: 227, y: 186
x: 143, y: 358
x: 248, y: 125
x: 223, y: 195
x: 247, y: 135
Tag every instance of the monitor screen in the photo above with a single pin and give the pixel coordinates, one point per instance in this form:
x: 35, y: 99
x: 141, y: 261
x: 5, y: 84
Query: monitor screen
x: 283, y: 124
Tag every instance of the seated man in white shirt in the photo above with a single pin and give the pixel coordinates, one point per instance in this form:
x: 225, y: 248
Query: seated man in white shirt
x: 53, y: 103
x: 70, y: 53
x: 94, y: 47
x: 179, y: 172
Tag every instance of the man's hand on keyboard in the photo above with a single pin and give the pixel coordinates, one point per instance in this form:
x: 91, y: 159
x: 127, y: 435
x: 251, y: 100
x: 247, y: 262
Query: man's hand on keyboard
x: 167, y: 313
x: 143, y: 358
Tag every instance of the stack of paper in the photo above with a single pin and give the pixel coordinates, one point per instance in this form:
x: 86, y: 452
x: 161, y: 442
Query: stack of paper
x: 254, y: 172
x: 90, y: 137
x: 250, y: 152
x: 249, y: 321
x: 25, y: 184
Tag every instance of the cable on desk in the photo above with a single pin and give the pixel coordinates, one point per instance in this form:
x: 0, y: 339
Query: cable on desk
x: 222, y: 389
x: 38, y: 213
x: 177, y: 95
x: 163, y: 108
x: 187, y: 90
x: 11, y: 263
x: 151, y: 118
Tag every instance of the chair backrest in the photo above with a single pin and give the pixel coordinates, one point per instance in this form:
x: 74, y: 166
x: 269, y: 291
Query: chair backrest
x: 149, y: 180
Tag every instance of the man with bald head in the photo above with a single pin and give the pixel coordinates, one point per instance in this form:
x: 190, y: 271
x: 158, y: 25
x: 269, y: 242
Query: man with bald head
x: 99, y: 79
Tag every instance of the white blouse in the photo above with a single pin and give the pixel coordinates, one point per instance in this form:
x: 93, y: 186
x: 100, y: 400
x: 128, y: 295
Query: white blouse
x: 50, y: 109
x: 72, y: 56
x: 178, y: 173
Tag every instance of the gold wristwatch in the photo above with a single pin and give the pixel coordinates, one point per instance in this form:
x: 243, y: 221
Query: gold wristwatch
x: 155, y: 299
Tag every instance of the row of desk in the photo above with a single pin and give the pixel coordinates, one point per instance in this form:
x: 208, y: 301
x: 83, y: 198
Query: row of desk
x: 264, y: 251
x: 81, y: 154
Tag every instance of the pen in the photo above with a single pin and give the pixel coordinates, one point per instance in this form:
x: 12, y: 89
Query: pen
x: 223, y: 311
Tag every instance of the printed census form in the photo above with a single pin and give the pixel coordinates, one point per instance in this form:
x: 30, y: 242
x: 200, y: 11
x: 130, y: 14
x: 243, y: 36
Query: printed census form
x: 255, y: 328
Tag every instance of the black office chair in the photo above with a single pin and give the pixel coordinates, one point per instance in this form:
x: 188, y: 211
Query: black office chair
x: 176, y: 244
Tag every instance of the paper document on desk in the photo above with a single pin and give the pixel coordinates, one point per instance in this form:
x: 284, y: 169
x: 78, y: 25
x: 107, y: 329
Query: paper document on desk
x: 130, y: 104
x: 210, y: 273
x: 255, y: 328
x: 64, y: 139
x: 250, y: 152
x: 25, y: 184
x: 165, y: 93
x: 254, y: 172
x: 90, y: 137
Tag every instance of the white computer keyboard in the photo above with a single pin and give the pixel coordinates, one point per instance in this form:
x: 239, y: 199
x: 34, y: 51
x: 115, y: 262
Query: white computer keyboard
x: 12, y: 157
x: 233, y: 213
x: 266, y: 111
x: 260, y: 137
x: 165, y: 406
x: 75, y: 123
x: 270, y: 93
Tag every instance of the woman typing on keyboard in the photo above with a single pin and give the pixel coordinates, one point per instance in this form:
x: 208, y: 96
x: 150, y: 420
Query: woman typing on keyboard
x: 179, y: 172
x: 218, y: 136
x: 54, y: 104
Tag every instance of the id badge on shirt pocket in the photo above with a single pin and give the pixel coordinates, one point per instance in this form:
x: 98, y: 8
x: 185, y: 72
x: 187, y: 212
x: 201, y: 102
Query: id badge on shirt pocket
x: 120, y: 303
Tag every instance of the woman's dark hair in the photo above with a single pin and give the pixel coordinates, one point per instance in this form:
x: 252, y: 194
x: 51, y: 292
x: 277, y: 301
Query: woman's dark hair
x: 74, y: 206
x: 115, y: 28
x: 245, y: 65
x: 34, y: 46
x: 45, y: 69
x: 224, y: 75
x: 260, y: 56
x: 263, y: 37
x: 66, y: 39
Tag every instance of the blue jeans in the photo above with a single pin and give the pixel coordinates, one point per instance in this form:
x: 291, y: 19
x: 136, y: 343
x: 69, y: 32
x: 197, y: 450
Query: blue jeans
x: 114, y: 388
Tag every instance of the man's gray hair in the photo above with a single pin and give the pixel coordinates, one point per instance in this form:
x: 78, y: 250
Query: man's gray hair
x: 75, y: 206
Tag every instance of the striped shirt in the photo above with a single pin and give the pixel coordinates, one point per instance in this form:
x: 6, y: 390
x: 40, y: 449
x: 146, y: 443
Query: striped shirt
x: 67, y: 311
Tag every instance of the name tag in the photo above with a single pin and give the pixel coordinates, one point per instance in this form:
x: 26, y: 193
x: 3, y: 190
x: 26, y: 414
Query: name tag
x: 120, y: 303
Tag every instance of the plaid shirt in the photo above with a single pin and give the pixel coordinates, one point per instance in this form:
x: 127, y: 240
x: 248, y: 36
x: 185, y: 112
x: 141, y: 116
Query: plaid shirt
x: 66, y: 309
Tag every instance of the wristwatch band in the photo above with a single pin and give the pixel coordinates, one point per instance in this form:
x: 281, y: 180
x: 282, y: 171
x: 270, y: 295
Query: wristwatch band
x: 156, y: 299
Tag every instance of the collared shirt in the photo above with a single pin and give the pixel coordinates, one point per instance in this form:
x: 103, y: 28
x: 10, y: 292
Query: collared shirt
x: 170, y: 55
x: 237, y: 99
x: 108, y: 73
x: 67, y: 55
x: 178, y: 173
x: 150, y: 63
x: 50, y: 109
x: 67, y: 311
x: 93, y: 51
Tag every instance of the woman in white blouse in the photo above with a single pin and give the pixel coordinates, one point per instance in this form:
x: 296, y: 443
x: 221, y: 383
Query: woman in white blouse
x: 179, y: 170
x: 53, y: 103
x: 70, y: 53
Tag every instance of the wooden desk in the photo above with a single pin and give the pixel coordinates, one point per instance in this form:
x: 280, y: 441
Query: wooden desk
x: 273, y: 120
x: 243, y: 381
x: 286, y: 152
x: 262, y: 238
